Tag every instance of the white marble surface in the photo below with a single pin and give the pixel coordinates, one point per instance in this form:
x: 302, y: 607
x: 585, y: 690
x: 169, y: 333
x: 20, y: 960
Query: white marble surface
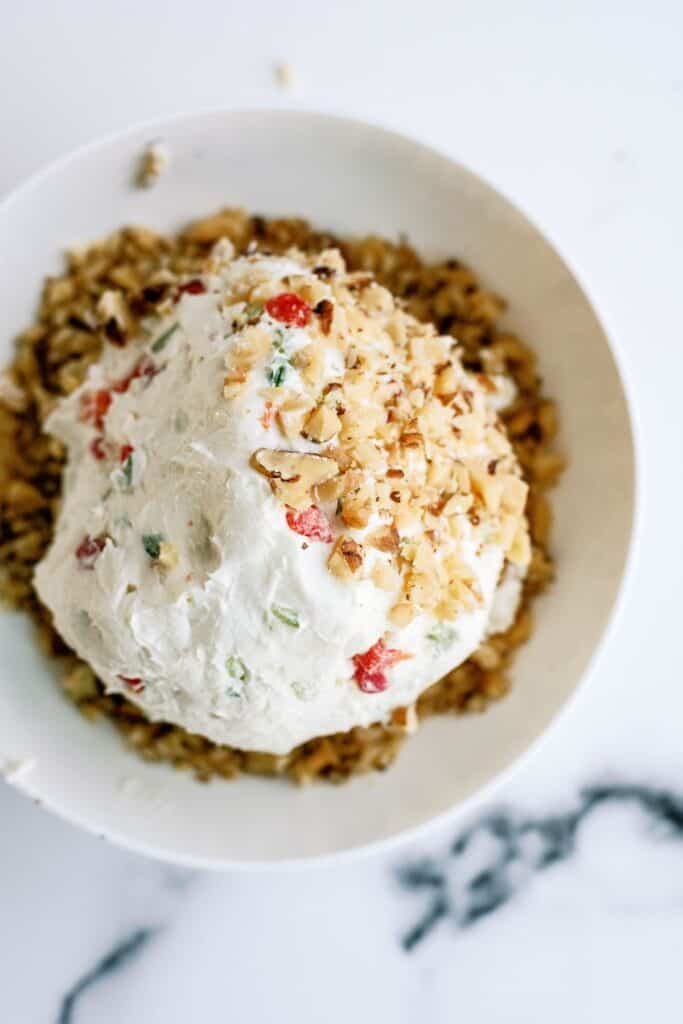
x: 574, y: 111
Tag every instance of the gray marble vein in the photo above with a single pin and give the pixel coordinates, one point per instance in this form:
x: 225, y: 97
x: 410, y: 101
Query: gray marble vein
x: 488, y: 863
x: 116, y: 959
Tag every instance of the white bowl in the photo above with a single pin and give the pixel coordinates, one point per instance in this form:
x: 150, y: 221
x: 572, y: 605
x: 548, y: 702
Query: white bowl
x: 352, y: 178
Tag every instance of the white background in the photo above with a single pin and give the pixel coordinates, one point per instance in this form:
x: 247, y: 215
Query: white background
x: 576, y: 112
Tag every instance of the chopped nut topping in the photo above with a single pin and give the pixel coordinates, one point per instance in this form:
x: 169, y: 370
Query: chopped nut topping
x: 322, y: 425
x: 233, y: 383
x: 384, y: 538
x: 385, y: 576
x: 292, y: 414
x: 325, y: 313
x: 413, y: 433
x: 346, y: 559
x: 292, y: 475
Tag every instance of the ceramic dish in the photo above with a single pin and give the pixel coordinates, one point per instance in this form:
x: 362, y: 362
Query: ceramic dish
x: 354, y: 179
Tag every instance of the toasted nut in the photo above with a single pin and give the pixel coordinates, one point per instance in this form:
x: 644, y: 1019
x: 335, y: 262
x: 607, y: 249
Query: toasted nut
x: 58, y: 290
x: 233, y: 383
x: 505, y: 534
x: 289, y: 465
x: 546, y: 467
x: 385, y: 576
x: 405, y: 719
x: 540, y: 518
x: 520, y: 549
x: 152, y: 164
x: 447, y: 382
x: 486, y: 657
x: 519, y: 422
x: 113, y: 313
x: 80, y: 683
x: 330, y: 490
x: 384, y: 538
x: 490, y: 489
x: 423, y: 589
x: 547, y: 420
x: 292, y: 475
x: 291, y: 416
x: 514, y: 495
x: 325, y: 313
x: 232, y: 224
x: 346, y: 559
x: 322, y: 424
x: 312, y: 364
x: 125, y: 277
x: 412, y: 439
x: 252, y: 346
x: 12, y: 396
x: 402, y: 614
x: 23, y: 497
x: 356, y: 510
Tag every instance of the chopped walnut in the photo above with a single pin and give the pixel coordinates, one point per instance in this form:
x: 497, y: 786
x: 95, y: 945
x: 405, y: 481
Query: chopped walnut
x: 385, y: 576
x: 322, y: 425
x: 291, y: 415
x: 152, y: 164
x: 405, y: 719
x: 233, y: 383
x: 12, y: 396
x: 346, y: 559
x: 384, y: 538
x: 112, y: 309
x: 292, y: 475
x: 325, y: 313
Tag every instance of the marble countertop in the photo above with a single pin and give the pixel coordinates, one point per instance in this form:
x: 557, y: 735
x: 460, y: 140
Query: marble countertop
x: 562, y: 900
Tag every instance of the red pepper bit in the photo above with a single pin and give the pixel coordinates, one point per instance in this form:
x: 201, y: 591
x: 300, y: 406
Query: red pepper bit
x: 135, y: 683
x: 145, y: 367
x: 370, y: 666
x: 310, y: 522
x: 193, y: 287
x: 125, y: 451
x: 89, y: 550
x: 98, y: 449
x: 267, y: 417
x: 289, y: 309
x: 94, y: 406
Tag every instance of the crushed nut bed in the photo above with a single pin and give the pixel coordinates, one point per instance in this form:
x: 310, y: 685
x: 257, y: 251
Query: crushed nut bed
x: 135, y: 267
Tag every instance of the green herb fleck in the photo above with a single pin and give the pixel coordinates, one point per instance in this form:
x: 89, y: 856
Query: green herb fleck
x: 181, y: 421
x: 277, y: 374
x: 127, y: 473
x: 237, y: 669
x: 151, y: 542
x: 279, y: 341
x: 442, y: 636
x: 288, y: 616
x: 163, y: 339
x: 299, y: 691
x: 253, y: 311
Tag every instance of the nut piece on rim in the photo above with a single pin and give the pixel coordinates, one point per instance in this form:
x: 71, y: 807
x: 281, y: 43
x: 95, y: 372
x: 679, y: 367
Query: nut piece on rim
x: 292, y: 475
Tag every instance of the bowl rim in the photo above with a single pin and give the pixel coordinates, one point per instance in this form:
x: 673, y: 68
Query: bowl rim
x: 606, y: 320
